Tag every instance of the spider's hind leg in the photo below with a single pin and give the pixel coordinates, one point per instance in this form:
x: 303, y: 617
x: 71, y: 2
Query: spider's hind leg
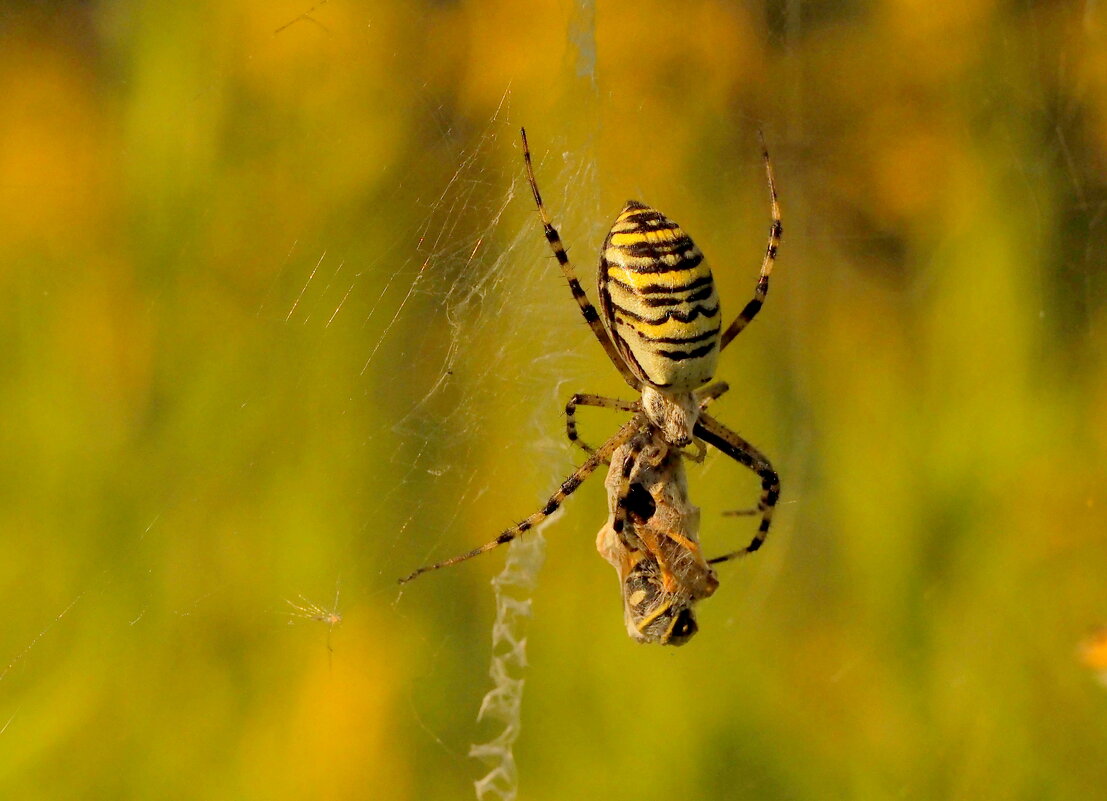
x: 715, y: 433
x: 567, y: 488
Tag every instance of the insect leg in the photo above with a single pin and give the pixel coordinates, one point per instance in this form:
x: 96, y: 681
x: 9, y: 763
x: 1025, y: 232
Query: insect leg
x: 622, y: 485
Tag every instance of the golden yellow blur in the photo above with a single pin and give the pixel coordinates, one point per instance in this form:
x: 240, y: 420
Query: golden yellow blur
x: 279, y: 323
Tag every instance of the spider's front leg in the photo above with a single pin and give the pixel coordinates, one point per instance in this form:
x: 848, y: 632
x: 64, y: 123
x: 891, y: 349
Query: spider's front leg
x: 776, y: 231
x: 711, y: 393
x: 715, y: 433
x: 598, y: 401
x: 591, y: 316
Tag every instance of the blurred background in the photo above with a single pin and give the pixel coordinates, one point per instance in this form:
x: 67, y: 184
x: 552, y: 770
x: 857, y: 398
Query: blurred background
x: 279, y: 326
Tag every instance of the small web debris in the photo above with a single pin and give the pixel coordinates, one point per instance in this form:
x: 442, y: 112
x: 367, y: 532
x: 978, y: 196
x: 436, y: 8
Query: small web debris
x: 309, y: 610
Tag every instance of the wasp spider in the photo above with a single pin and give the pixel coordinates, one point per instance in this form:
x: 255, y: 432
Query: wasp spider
x: 659, y: 323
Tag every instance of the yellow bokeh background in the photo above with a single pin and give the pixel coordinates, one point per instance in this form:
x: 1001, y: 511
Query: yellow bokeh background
x: 279, y: 324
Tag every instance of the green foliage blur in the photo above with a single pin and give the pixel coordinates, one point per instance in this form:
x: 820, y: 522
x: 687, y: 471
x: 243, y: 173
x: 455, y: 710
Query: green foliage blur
x: 279, y: 326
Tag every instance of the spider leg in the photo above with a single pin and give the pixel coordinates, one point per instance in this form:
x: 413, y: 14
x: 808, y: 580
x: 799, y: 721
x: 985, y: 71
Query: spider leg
x: 598, y: 401
x: 710, y: 393
x: 775, y: 232
x: 591, y: 316
x: 715, y: 433
x: 567, y: 488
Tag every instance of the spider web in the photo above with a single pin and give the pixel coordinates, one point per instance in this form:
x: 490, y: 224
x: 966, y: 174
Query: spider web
x: 485, y: 268
x: 453, y: 304
x: 487, y: 297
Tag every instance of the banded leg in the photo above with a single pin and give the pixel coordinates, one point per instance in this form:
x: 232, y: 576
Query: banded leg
x: 776, y: 231
x: 715, y: 433
x: 600, y: 402
x: 591, y: 316
x: 567, y: 488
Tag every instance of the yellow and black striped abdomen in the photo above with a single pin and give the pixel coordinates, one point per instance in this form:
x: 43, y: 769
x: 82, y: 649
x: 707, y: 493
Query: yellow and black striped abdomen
x: 658, y: 299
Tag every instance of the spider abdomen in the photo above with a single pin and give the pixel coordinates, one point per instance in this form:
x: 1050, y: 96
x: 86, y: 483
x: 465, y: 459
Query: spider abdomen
x: 658, y: 299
